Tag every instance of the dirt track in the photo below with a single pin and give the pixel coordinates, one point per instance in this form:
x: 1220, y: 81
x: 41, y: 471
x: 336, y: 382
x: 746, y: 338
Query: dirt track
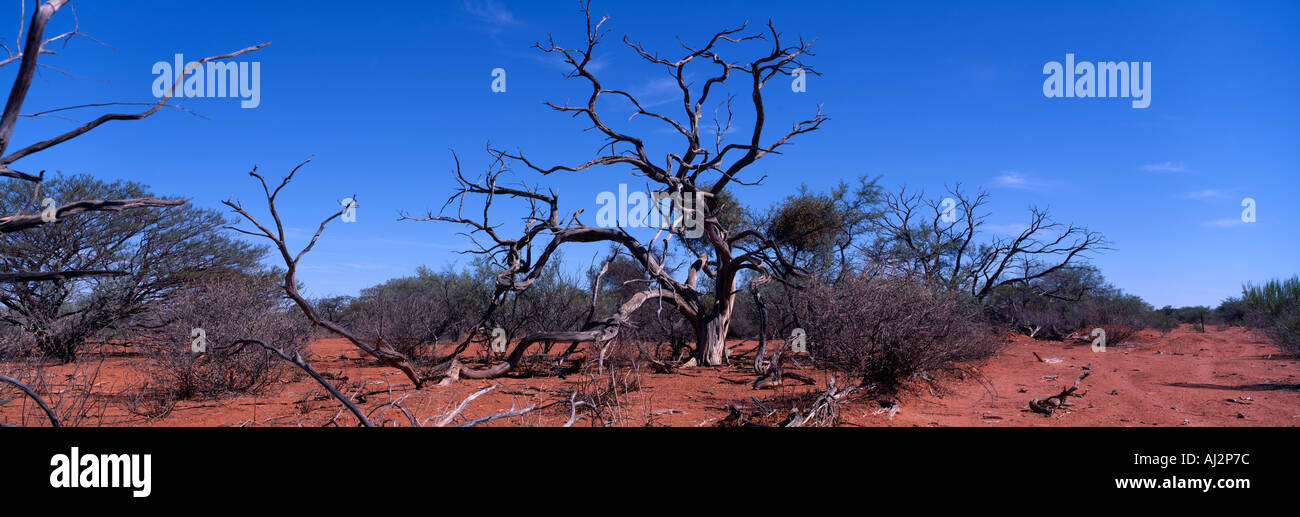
x: 1217, y: 378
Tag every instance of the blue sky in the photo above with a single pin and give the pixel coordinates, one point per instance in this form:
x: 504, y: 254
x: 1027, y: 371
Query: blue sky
x: 923, y: 93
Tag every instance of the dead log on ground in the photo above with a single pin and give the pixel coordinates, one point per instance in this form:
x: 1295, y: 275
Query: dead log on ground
x: 1047, y: 405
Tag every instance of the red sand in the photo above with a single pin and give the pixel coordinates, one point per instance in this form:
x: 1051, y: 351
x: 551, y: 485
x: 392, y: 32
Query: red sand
x: 1217, y: 378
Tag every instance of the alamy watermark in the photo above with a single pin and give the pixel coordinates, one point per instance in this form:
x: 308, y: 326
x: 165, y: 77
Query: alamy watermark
x: 49, y: 211
x: 349, y: 210
x: 77, y: 470
x: 798, y: 341
x: 498, y: 80
x: 660, y: 209
x: 241, y: 80
x: 199, y: 343
x: 1122, y: 79
x: 498, y: 343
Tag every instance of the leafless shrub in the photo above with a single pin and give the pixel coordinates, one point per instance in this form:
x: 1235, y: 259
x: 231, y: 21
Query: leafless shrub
x: 1069, y: 302
x: 75, y: 393
x: 226, y: 309
x: 412, y: 314
x: 150, y: 402
x: 888, y: 328
x: 604, y: 398
x: 14, y: 343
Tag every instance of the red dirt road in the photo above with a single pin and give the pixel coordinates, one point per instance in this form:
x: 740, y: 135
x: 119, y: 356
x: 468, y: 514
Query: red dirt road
x: 1217, y: 378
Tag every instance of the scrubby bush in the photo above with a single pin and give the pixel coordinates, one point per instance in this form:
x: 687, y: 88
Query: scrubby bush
x: 1191, y: 315
x: 1162, y: 322
x: 1274, y: 308
x: 415, y: 313
x: 887, y: 329
x: 226, y: 309
x: 1121, y: 315
x: 1231, y: 312
x: 13, y: 341
x: 335, y: 308
x: 1068, y: 302
x: 412, y: 312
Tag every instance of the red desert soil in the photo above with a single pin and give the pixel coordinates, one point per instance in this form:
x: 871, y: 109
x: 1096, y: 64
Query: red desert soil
x: 1216, y: 378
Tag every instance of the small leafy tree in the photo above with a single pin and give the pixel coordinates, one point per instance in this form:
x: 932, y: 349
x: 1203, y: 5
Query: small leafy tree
x: 152, y: 251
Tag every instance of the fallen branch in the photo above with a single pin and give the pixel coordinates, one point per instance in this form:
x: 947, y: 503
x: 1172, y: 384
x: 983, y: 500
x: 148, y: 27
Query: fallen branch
x: 1047, y: 405
x: 824, y: 410
x: 450, y: 417
x: 503, y: 414
x: 298, y: 361
x: 775, y: 374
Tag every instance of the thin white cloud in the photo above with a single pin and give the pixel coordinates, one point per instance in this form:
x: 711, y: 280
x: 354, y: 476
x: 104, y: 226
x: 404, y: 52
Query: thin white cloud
x: 658, y: 91
x: 343, y: 268
x: 1009, y: 229
x: 1227, y: 222
x: 1165, y: 167
x: 495, y: 17
x: 1208, y: 193
x: 368, y: 267
x: 1012, y: 179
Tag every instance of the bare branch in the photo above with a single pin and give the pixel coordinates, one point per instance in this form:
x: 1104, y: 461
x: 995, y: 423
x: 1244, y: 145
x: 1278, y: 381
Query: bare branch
x: 49, y: 413
x: 14, y: 223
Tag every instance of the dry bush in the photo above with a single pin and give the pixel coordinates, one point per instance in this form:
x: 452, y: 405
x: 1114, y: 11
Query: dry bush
x: 14, y: 343
x: 1121, y: 315
x: 76, y: 393
x: 226, y: 308
x: 604, y: 398
x: 1068, y: 302
x: 886, y: 329
x: 1163, y: 323
x: 413, y: 312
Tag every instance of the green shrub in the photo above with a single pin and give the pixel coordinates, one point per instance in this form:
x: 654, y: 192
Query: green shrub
x: 1162, y: 322
x: 1274, y: 308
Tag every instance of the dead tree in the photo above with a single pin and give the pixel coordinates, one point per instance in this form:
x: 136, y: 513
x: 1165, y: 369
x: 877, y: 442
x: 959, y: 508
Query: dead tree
x: 705, y: 168
x: 35, y: 44
x: 940, y: 243
x: 383, y: 353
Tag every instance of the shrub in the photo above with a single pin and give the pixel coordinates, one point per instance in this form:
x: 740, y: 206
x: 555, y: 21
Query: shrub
x: 1121, y: 315
x: 1162, y: 322
x: 1232, y: 311
x: 13, y: 341
x: 886, y: 329
x: 423, y: 309
x: 227, y: 308
x: 1274, y: 308
x: 1068, y: 302
x: 160, y: 250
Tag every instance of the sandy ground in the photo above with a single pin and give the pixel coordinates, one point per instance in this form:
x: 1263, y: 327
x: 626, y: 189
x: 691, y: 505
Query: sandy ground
x: 1217, y: 378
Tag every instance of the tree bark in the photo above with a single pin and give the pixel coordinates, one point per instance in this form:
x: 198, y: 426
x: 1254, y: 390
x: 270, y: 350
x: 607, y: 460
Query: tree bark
x: 711, y: 337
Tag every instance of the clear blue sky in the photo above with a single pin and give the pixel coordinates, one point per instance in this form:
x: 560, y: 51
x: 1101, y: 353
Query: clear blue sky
x: 923, y: 93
